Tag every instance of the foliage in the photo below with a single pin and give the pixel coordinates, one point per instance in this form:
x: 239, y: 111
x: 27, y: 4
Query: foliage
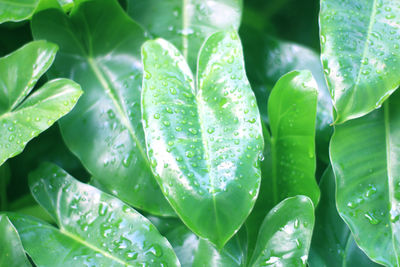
x: 199, y: 133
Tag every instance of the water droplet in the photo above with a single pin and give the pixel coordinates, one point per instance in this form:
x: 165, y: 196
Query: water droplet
x: 156, y: 116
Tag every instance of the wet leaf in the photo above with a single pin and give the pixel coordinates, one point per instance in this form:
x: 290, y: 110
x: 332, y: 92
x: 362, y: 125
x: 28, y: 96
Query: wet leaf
x: 203, y: 140
x: 364, y: 155
x: 186, y: 24
x: 360, y: 53
x: 23, y: 116
x: 94, y: 228
x: 285, y: 235
x: 104, y: 131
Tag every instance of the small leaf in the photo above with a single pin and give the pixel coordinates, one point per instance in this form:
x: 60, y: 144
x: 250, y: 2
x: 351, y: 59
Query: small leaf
x: 94, y: 227
x: 12, y: 253
x: 186, y: 24
x: 364, y: 155
x: 285, y: 235
x: 332, y: 242
x: 292, y: 109
x: 23, y: 118
x: 104, y: 131
x: 203, y: 140
x: 360, y: 53
x: 17, y: 10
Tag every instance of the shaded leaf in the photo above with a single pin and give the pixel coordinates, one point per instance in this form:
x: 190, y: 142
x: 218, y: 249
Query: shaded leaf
x: 203, y: 140
x: 360, y: 53
x: 12, y: 253
x: 364, y: 155
x: 285, y: 235
x: 23, y: 118
x: 186, y: 24
x: 94, y: 228
x: 332, y: 243
x: 104, y: 131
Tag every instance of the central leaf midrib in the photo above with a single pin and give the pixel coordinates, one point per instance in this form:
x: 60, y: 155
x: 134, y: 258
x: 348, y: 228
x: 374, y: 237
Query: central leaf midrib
x: 109, y: 90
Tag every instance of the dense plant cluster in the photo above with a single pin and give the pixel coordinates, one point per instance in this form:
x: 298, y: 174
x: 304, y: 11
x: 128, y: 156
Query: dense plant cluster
x: 190, y: 133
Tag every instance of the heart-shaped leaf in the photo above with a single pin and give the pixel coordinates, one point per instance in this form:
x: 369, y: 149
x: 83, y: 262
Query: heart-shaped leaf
x: 94, y: 227
x: 285, y: 235
x: 12, y: 253
x: 193, y: 251
x: 364, y: 155
x: 105, y: 130
x: 23, y: 118
x: 360, y: 53
x: 332, y: 243
x: 204, y: 138
x: 186, y: 24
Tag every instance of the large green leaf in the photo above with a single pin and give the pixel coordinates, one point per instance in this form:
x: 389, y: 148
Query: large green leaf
x: 203, y: 140
x: 332, y: 243
x: 360, y: 53
x: 12, y: 253
x: 23, y: 118
x: 364, y: 155
x: 267, y: 59
x: 95, y: 228
x: 100, y: 49
x: 193, y: 251
x: 285, y: 235
x: 292, y: 109
x: 186, y: 23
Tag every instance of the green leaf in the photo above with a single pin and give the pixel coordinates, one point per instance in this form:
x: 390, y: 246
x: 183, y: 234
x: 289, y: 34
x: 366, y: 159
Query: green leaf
x: 292, y: 109
x: 17, y: 10
x: 332, y: 243
x: 285, y: 235
x: 203, y: 140
x: 364, y: 155
x: 104, y: 131
x: 194, y: 251
x: 360, y: 54
x: 94, y: 228
x: 23, y: 117
x: 186, y: 24
x: 267, y: 59
x: 12, y: 253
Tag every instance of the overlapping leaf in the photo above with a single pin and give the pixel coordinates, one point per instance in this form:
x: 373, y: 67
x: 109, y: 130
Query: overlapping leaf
x: 23, y: 117
x: 360, y: 53
x: 100, y: 49
x: 364, y: 155
x: 186, y: 24
x: 285, y: 235
x: 94, y: 228
x: 12, y: 253
x: 332, y: 243
x: 203, y: 140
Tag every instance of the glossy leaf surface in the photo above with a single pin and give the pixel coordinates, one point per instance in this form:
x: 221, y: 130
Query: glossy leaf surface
x: 104, y: 130
x: 203, y: 141
x: 12, y: 253
x: 186, y: 24
x: 94, y: 227
x: 360, y: 53
x: 292, y: 109
x: 332, y: 242
x: 17, y: 10
x: 364, y: 155
x: 193, y: 251
x: 267, y: 59
x: 285, y: 235
x: 23, y: 118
